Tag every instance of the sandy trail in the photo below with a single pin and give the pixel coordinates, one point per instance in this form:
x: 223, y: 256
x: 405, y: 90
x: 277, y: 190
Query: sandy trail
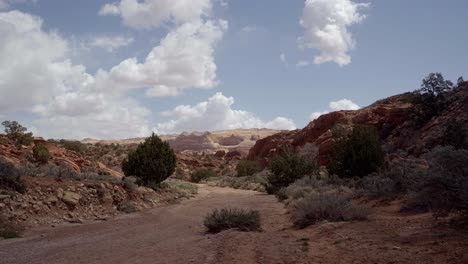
x: 175, y: 234
x: 170, y: 234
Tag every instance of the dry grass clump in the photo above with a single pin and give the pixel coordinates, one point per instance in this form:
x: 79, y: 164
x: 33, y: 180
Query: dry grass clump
x: 329, y: 206
x: 232, y: 218
x: 9, y: 229
x: 182, y: 188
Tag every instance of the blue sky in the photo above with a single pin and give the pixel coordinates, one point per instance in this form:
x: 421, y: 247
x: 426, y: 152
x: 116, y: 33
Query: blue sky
x: 216, y: 64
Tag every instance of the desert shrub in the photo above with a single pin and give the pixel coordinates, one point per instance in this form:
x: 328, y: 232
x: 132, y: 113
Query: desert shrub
x: 89, y: 175
x: 73, y: 146
x: 379, y: 186
x: 256, y: 182
x: 41, y: 153
x: 129, y: 184
x: 247, y: 168
x: 454, y: 135
x: 396, y: 179
x: 307, y: 185
x: 357, y: 154
x: 281, y: 194
x: 127, y: 207
x: 9, y: 229
x: 203, y: 174
x: 152, y: 162
x: 179, y: 173
x: 59, y: 172
x: 330, y: 206
x: 10, y: 178
x: 442, y: 187
x: 181, y: 188
x: 287, y: 168
x: 232, y: 218
x: 25, y: 139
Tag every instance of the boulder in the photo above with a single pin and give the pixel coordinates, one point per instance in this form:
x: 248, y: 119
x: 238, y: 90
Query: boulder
x: 71, y: 198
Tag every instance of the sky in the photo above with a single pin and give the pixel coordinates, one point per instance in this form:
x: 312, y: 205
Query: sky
x: 126, y: 68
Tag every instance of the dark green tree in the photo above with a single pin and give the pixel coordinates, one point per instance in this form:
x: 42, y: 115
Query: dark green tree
x: 152, y: 162
x: 358, y: 154
x: 435, y: 85
x: 247, y: 168
x: 288, y: 167
x: 17, y: 132
x: 430, y: 99
x: 203, y: 174
x: 460, y: 81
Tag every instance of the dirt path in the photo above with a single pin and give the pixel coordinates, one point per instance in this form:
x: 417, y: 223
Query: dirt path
x: 175, y: 234
x: 170, y: 234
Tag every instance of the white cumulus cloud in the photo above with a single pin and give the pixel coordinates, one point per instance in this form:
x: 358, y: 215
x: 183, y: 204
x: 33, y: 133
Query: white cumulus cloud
x: 183, y: 59
x: 326, y: 28
x: 216, y: 114
x: 37, y: 76
x: 149, y: 14
x: 343, y: 104
x: 110, y: 43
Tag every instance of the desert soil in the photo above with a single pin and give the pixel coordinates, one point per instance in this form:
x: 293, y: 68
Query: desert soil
x: 175, y: 234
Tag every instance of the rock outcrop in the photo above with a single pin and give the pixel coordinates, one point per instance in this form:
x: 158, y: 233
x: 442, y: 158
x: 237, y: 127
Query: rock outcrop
x: 61, y: 157
x: 392, y: 117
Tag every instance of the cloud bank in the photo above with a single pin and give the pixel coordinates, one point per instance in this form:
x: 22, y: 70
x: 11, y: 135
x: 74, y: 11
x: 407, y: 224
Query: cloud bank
x: 326, y: 26
x: 149, y: 14
x: 37, y: 76
x: 216, y: 113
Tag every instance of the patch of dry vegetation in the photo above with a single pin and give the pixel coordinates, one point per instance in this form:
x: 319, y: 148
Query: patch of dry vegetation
x: 232, y: 218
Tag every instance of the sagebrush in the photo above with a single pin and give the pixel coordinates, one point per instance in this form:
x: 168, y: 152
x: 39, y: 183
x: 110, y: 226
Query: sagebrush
x: 232, y: 218
x: 330, y: 206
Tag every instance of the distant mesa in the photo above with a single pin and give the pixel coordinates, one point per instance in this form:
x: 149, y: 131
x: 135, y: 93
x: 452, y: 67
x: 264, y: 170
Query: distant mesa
x: 240, y: 140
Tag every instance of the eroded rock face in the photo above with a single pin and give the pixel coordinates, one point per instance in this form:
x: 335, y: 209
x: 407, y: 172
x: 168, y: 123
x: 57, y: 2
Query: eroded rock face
x: 232, y: 140
x: 391, y: 117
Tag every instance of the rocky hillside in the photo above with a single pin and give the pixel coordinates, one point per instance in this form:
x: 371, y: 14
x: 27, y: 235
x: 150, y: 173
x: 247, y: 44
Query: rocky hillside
x: 393, y: 117
x: 228, y: 140
x: 60, y: 157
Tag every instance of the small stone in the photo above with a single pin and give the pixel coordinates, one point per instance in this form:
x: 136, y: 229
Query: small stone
x: 60, y: 193
x: 52, y: 200
x: 3, y: 197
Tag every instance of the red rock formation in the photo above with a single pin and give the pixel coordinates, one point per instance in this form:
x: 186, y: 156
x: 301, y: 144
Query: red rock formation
x: 232, y: 140
x: 233, y: 154
x: 59, y: 156
x: 220, y: 154
x: 391, y: 117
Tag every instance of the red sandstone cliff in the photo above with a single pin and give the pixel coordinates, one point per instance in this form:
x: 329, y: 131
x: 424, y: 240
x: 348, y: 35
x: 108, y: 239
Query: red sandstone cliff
x: 392, y: 117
